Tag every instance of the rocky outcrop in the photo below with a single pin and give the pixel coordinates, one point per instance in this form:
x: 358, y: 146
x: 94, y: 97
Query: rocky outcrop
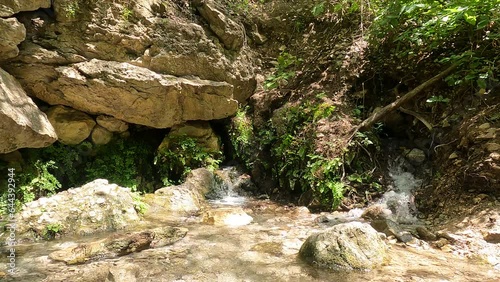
x: 12, y: 33
x: 230, y: 33
x: 135, y: 94
x: 72, y: 126
x: 11, y: 7
x: 346, y: 246
x: 22, y: 124
x: 143, y: 68
x: 96, y: 206
x: 123, y: 245
x: 200, y: 131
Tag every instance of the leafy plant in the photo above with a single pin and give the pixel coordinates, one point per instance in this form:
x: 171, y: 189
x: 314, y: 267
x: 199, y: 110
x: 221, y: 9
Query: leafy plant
x: 126, y: 13
x: 124, y: 162
x: 297, y: 165
x: 460, y: 32
x: 242, y: 136
x: 52, y: 230
x: 139, y: 205
x: 181, y: 156
x: 282, y: 70
x: 318, y: 9
x: 71, y: 8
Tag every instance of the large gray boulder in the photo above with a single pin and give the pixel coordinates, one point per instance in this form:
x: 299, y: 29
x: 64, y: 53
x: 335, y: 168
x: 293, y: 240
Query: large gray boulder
x: 96, y: 206
x: 12, y: 32
x: 22, y: 124
x: 346, y: 246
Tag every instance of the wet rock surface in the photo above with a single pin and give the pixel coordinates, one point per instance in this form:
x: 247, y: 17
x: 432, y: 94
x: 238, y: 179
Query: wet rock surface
x: 345, y: 246
x: 188, y: 197
x: 264, y: 250
x: 120, y: 245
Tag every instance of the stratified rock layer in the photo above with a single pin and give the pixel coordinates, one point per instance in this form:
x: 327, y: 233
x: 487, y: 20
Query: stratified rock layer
x: 134, y: 94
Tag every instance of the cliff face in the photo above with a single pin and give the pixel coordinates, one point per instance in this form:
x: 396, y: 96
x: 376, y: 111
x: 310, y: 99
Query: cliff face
x: 148, y: 62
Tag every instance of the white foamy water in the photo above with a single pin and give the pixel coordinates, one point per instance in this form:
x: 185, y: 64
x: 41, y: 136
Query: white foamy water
x: 399, y: 199
x: 230, y: 200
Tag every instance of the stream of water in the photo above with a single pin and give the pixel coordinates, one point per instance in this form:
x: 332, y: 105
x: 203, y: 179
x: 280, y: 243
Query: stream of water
x: 264, y: 250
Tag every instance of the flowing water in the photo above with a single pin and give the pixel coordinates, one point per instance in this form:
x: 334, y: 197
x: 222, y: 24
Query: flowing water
x: 264, y: 250
x: 399, y: 197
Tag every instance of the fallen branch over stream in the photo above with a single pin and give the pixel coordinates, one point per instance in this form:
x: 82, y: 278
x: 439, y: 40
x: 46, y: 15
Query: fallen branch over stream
x: 375, y: 117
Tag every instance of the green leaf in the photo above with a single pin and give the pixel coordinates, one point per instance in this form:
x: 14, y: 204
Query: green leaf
x: 318, y: 10
x: 470, y: 19
x: 481, y: 83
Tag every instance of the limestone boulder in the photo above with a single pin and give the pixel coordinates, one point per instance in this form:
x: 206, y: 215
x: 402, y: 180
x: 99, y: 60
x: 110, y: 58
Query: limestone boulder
x: 201, y: 131
x: 112, y: 124
x: 137, y: 95
x: 346, y: 246
x: 22, y: 124
x: 71, y: 126
x: 185, y: 198
x: 101, y: 136
x: 229, y: 32
x: 11, y: 7
x: 12, y: 33
x: 93, y: 207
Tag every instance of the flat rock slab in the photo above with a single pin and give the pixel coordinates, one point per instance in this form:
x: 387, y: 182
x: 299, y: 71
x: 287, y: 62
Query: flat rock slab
x: 120, y: 246
x: 138, y: 95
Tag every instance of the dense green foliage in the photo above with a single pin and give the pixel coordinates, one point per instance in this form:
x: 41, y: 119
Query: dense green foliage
x: 183, y: 153
x: 419, y: 32
x: 295, y: 162
x: 283, y: 70
x: 126, y: 162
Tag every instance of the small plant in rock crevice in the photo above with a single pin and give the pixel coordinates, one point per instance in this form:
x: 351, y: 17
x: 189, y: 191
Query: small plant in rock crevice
x: 71, y: 8
x: 52, y: 231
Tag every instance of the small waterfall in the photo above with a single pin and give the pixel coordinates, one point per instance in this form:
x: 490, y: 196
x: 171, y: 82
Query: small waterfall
x: 399, y: 198
x: 228, y: 192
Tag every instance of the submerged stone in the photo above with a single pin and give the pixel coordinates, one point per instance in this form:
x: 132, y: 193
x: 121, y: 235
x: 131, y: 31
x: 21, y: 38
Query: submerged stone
x: 227, y: 216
